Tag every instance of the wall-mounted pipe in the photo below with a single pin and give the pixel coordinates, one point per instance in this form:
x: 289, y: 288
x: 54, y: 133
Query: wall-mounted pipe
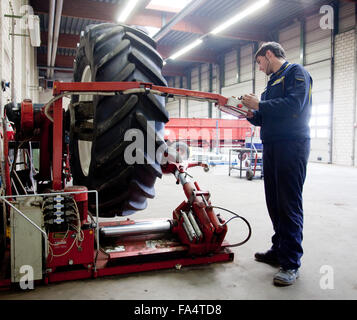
x: 57, y: 23
x: 51, y: 17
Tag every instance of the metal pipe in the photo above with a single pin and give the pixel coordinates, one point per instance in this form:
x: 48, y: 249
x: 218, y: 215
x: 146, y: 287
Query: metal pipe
x: 13, y: 98
x: 50, y: 33
x: 57, y: 23
x: 195, y: 225
x: 188, y: 225
x: 178, y: 17
x: 56, y: 68
x: 355, y: 102
x: 139, y: 228
x: 189, y: 235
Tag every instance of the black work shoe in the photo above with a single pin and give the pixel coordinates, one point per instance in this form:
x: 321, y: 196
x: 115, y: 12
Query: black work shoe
x: 268, y: 257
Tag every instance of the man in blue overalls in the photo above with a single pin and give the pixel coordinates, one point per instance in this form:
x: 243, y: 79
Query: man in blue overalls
x: 283, y: 113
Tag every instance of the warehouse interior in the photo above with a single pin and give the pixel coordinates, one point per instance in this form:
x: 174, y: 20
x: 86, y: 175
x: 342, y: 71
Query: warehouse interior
x: 38, y: 54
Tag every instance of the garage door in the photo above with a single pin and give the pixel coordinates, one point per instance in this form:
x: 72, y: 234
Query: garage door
x: 318, y: 63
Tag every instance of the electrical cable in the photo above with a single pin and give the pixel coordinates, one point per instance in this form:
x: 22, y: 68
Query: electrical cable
x: 78, y: 238
x: 235, y: 217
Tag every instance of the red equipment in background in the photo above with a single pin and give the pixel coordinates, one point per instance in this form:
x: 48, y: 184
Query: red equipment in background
x: 207, y: 132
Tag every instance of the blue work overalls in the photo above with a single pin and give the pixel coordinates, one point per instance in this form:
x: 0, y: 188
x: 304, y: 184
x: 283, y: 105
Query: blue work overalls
x: 284, y: 115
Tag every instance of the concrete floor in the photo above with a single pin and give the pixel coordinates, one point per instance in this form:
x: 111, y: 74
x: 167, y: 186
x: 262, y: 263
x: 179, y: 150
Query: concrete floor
x: 330, y: 243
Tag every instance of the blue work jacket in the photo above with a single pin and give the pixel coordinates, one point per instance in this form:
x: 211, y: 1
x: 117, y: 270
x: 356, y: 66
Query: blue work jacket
x: 285, y: 106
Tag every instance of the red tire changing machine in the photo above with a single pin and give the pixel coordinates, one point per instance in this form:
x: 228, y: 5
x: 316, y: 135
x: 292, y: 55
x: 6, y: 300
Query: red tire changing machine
x: 91, y: 248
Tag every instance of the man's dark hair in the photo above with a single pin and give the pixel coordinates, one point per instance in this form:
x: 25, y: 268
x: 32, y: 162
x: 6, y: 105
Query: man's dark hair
x: 274, y: 47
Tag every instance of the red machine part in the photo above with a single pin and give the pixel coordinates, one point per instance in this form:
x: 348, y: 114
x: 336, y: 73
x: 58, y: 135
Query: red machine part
x: 73, y: 250
x: 212, y: 228
x: 27, y: 116
x: 73, y: 247
x: 67, y: 249
x: 81, y: 200
x: 6, y: 158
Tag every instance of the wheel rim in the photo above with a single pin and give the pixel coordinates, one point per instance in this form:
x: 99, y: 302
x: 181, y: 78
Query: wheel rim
x: 85, y: 147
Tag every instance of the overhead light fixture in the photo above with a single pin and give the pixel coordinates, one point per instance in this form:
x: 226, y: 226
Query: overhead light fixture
x: 127, y: 10
x: 240, y: 16
x: 186, y: 49
x: 168, y: 5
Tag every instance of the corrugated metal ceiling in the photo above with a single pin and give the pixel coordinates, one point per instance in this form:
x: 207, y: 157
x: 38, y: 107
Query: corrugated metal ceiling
x: 213, y: 12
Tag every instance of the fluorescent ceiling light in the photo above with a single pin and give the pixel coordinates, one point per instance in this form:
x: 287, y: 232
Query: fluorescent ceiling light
x: 240, y: 16
x: 186, y: 49
x: 168, y: 5
x: 127, y: 10
x: 152, y: 30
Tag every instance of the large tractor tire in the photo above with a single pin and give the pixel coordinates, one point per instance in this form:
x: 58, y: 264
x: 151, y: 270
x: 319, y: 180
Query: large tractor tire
x: 98, y: 124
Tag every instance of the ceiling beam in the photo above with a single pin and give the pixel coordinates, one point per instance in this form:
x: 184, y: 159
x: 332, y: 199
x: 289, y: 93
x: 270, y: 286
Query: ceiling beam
x: 68, y: 61
x: 106, y: 12
x: 86, y: 9
x: 173, y: 71
x: 196, y: 55
x: 68, y: 41
x: 61, y: 61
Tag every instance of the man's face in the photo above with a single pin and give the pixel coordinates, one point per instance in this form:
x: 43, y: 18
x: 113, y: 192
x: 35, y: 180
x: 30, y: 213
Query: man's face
x: 264, y: 65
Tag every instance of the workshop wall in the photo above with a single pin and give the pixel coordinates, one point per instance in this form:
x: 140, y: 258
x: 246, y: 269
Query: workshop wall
x: 20, y: 68
x: 344, y: 115
x: 345, y: 69
x: 331, y: 59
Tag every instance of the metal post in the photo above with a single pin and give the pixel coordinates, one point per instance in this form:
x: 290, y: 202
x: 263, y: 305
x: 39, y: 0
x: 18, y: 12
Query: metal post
x: 210, y: 88
x: 188, y: 87
x: 302, y: 41
x: 254, y: 50
x: 238, y: 64
x: 57, y: 145
x: 221, y: 77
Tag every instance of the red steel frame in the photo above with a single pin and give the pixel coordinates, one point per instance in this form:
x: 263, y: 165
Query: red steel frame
x: 68, y: 87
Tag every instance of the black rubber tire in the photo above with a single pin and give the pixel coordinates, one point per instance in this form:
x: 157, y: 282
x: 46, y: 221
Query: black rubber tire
x: 242, y: 156
x: 249, y: 174
x: 117, y: 53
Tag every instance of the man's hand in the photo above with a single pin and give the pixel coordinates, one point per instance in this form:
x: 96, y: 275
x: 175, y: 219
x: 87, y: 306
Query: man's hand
x: 251, y: 101
x: 249, y: 115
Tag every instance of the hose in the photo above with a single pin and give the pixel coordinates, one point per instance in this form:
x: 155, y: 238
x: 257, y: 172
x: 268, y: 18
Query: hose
x: 235, y: 217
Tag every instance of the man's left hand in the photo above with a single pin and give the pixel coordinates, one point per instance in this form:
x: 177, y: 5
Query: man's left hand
x: 251, y: 101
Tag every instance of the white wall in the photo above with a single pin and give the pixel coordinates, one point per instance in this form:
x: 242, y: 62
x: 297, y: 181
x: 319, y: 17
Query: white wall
x: 339, y: 81
x: 24, y: 61
x: 344, y: 99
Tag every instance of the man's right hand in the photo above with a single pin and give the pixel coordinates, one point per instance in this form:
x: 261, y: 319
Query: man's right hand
x: 250, y: 114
